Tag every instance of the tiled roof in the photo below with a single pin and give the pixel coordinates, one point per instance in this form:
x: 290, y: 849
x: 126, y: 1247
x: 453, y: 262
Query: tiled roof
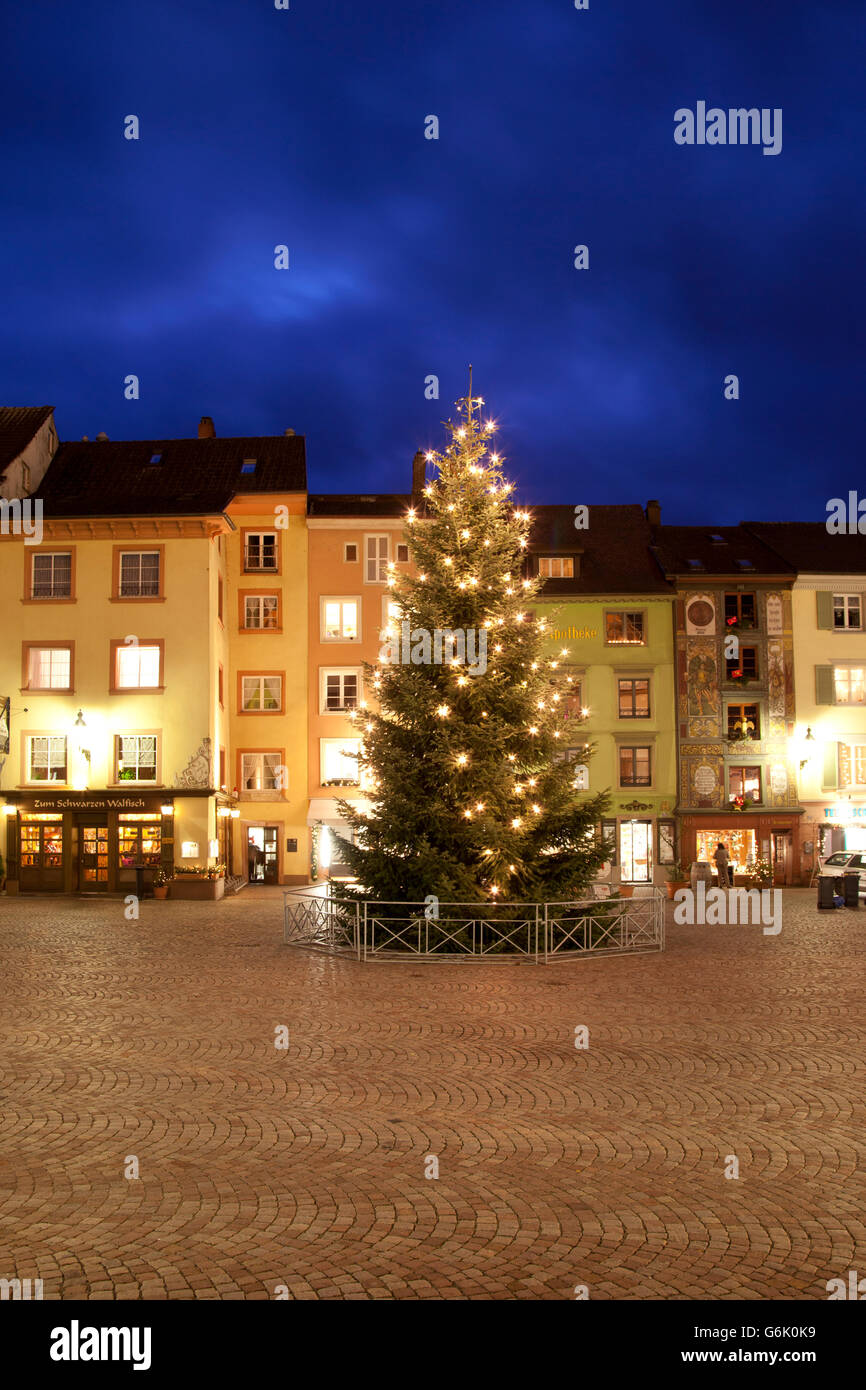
x: 18, y: 424
x: 735, y: 551
x: 810, y: 548
x: 387, y: 504
x: 192, y: 477
x: 615, y: 558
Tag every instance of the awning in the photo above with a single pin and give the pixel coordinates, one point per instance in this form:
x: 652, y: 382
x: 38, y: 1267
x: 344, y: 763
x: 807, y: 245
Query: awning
x: 324, y: 808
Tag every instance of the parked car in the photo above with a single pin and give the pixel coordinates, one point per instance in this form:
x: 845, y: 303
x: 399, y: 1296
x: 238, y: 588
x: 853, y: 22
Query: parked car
x: 844, y: 862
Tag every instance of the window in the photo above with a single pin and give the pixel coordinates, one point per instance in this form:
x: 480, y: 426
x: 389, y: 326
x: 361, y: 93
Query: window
x: 849, y: 685
x: 635, y: 851
x: 339, y: 690
x: 339, y: 619
x: 633, y: 699
x: 139, y: 574
x: 220, y: 686
x: 135, y: 757
x: 556, y: 566
x: 139, y: 841
x: 746, y: 664
x: 248, y: 466
x: 402, y: 554
x: 156, y: 458
x: 695, y: 564
x: 624, y: 629
x: 846, y: 610
x: 635, y: 767
x: 48, y: 668
x: 261, y: 772
x: 51, y: 574
x: 744, y: 721
x: 376, y: 551
x: 46, y: 758
x: 261, y: 612
x: 350, y: 553
x: 260, y: 550
x: 744, y: 781
x: 740, y: 610
x: 339, y: 761
x: 137, y: 666
x: 262, y: 694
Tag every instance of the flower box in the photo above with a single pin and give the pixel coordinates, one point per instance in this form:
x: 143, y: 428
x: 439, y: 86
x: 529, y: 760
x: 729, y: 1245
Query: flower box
x: 196, y: 888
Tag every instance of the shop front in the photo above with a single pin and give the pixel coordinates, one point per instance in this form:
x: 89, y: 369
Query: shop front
x: 837, y: 825
x: 747, y: 838
x: 642, y: 835
x: 88, y: 842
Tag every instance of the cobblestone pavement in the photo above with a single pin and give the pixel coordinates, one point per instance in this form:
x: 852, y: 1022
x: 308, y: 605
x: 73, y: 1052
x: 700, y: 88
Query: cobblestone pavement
x: 557, y: 1166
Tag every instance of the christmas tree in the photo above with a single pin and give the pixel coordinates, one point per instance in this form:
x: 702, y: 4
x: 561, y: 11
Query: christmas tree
x: 473, y: 796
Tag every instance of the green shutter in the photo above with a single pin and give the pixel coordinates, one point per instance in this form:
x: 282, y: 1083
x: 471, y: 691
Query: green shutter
x: 825, y: 608
x: 831, y: 766
x: 823, y: 685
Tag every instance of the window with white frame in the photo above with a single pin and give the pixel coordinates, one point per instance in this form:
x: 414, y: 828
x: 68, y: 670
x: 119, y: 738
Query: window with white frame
x: 49, y: 668
x: 376, y: 553
x: 847, y: 611
x: 137, y: 667
x: 340, y: 619
x: 339, y: 761
x: 260, y: 550
x: 340, y: 688
x: 261, y: 693
x: 52, y: 575
x: 261, y: 611
x: 849, y: 685
x: 46, y: 758
x: 139, y: 573
x: 260, y: 772
x: 135, y: 757
x: 556, y: 566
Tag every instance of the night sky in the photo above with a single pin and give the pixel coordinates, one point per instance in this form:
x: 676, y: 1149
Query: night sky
x: 411, y: 256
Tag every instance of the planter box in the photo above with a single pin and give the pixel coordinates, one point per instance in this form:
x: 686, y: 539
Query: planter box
x: 197, y: 889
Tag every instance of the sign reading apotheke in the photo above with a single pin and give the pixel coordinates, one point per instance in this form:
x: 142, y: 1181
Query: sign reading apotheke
x: 34, y: 802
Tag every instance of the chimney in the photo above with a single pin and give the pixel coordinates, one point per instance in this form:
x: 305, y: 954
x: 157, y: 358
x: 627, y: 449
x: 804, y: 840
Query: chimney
x: 289, y: 434
x: 102, y: 437
x: 205, y: 428
x: 654, y: 513
x: 84, y: 439
x: 419, y: 474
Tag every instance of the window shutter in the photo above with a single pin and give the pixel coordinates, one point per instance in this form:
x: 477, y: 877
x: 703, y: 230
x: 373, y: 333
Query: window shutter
x: 824, y: 685
x: 825, y: 610
x: 831, y: 766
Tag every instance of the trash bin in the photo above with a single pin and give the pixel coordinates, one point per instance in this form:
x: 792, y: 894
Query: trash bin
x: 825, y: 892
x: 701, y: 871
x: 851, y: 889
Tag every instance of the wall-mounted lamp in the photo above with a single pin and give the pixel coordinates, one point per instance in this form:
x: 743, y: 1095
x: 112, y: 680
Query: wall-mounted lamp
x: 80, y: 722
x: 235, y: 812
x: 8, y: 810
x: 223, y: 811
x: 167, y: 809
x: 810, y: 738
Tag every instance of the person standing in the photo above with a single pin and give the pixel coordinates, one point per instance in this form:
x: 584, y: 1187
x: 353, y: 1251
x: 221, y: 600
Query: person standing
x: 722, y: 862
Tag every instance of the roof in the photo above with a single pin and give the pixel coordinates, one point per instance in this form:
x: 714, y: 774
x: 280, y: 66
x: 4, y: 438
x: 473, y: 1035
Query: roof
x: 387, y: 504
x: 192, y: 476
x: 18, y: 425
x: 810, y: 548
x: 723, y: 551
x: 615, y: 550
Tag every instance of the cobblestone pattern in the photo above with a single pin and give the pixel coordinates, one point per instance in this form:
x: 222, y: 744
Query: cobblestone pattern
x: 558, y: 1166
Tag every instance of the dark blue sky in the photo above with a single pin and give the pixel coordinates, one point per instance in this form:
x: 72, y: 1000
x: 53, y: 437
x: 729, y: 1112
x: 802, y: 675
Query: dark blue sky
x: 411, y: 257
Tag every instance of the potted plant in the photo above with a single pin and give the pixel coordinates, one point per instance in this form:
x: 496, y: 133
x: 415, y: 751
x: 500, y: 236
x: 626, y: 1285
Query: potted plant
x: 625, y: 890
x: 199, y: 883
x: 160, y: 884
x: 742, y: 803
x: 676, y: 878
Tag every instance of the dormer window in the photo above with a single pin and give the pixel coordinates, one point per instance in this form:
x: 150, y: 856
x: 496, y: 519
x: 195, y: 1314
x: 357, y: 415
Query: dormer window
x: 556, y: 566
x: 744, y: 564
x: 717, y: 539
x: 156, y: 458
x: 695, y: 564
x: 248, y: 466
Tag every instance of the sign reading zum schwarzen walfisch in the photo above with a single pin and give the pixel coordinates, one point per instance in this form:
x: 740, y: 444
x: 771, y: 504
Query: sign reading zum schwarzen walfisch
x: 88, y: 803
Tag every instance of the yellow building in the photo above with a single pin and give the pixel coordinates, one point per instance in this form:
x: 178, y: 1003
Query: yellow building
x: 153, y: 652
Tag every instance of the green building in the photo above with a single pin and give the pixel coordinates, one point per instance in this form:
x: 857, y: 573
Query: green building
x: 611, y: 617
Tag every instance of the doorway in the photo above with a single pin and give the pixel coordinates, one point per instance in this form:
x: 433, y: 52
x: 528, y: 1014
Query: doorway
x: 93, y: 858
x: 263, y: 852
x: 41, y: 856
x: 781, y: 840
x: 635, y: 851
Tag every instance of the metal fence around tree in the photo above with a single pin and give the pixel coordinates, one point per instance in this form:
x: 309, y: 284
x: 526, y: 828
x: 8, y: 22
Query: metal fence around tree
x: 370, y: 930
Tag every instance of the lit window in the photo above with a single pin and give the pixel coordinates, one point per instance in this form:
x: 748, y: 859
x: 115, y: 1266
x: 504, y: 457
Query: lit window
x: 260, y: 772
x: 744, y: 781
x: 261, y: 611
x: 339, y: 620
x: 849, y: 684
x: 49, y: 668
x: 47, y: 758
x: 260, y: 550
x: 136, y: 757
x: 340, y: 760
x: 264, y: 693
x: 138, y: 668
x: 556, y: 566
x: 52, y: 575
x: 626, y: 629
